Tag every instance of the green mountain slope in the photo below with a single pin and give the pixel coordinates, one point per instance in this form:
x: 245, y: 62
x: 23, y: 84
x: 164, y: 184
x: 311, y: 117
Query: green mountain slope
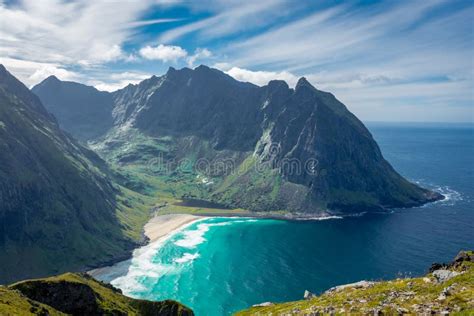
x: 58, y: 210
x: 78, y: 294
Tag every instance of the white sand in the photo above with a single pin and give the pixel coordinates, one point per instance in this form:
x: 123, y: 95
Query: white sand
x: 162, y: 225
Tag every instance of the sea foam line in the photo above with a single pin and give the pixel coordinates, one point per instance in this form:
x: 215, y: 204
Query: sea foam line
x: 143, y: 265
x: 451, y: 196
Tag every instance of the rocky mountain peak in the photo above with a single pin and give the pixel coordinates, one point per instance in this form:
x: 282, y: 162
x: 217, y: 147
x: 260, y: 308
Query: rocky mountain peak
x: 303, y: 83
x: 277, y: 84
x: 231, y: 117
x: 52, y: 78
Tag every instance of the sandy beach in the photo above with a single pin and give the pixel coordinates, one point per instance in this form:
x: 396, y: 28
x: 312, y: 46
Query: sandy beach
x: 158, y: 228
x: 162, y: 225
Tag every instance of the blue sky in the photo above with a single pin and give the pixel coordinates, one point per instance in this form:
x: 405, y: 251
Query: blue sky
x: 386, y: 60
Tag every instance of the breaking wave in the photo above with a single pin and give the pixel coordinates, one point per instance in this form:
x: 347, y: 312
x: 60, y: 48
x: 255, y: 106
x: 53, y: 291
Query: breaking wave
x: 148, y: 265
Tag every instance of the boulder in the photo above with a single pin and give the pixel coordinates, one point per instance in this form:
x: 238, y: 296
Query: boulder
x: 444, y: 275
x: 356, y: 285
x: 263, y: 304
x: 308, y: 295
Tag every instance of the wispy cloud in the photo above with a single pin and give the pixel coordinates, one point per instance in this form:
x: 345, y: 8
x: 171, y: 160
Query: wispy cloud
x: 151, y: 22
x: 232, y: 18
x: 400, y: 54
x: 67, y: 34
x: 199, y: 53
x: 376, y: 57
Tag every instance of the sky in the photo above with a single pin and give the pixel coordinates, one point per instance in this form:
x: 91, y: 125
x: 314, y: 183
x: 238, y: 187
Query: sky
x: 386, y: 60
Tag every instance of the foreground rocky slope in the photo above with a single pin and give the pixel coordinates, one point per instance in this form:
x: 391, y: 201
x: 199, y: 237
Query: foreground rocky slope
x: 265, y: 148
x: 58, y: 209
x: 446, y: 289
x: 78, y: 294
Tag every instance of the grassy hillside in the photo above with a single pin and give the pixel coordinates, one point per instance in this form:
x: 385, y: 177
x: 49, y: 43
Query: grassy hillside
x: 426, y: 295
x: 59, y: 208
x: 78, y: 294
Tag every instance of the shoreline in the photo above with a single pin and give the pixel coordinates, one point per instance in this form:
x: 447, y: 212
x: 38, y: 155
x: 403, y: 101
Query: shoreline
x: 158, y: 229
x: 162, y: 226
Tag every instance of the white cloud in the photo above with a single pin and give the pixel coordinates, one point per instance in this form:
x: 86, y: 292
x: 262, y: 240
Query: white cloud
x: 49, y: 70
x: 86, y: 33
x: 111, y: 87
x: 260, y: 78
x: 164, y: 53
x: 388, y: 54
x: 117, y: 81
x: 224, y: 66
x: 199, y: 53
x: 372, y: 57
x: 31, y: 73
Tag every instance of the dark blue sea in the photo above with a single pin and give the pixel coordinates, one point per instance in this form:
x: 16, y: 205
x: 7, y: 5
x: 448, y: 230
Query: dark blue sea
x: 220, y: 265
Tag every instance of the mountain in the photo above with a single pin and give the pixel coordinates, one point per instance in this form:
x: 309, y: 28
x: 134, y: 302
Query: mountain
x: 446, y: 289
x: 79, y: 294
x: 81, y: 110
x: 267, y: 148
x: 58, y: 209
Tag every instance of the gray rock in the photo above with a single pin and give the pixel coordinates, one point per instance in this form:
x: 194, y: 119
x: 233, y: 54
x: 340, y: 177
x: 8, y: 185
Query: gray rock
x: 441, y: 297
x: 356, y: 285
x: 308, y: 295
x: 444, y: 275
x: 263, y: 304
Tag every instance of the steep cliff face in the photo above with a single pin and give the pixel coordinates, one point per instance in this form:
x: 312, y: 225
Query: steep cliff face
x: 302, y: 149
x: 313, y: 140
x: 57, y: 209
x: 203, y: 102
x: 83, y: 111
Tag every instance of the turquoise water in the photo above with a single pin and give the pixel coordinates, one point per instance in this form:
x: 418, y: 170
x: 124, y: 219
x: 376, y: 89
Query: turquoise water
x: 221, y: 265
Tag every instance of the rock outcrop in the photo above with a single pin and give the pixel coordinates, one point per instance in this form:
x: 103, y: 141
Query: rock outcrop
x: 453, y: 293
x: 79, y: 294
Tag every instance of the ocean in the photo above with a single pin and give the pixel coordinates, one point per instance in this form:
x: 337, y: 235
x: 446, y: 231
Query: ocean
x: 221, y: 265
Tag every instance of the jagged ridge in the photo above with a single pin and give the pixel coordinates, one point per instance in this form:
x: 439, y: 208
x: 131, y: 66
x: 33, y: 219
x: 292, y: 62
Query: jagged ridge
x: 271, y: 127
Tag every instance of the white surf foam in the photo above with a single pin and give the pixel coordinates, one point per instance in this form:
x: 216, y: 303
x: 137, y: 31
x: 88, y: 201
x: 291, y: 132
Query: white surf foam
x: 187, y: 257
x: 320, y: 218
x: 451, y: 196
x: 193, y: 238
x: 144, y: 264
